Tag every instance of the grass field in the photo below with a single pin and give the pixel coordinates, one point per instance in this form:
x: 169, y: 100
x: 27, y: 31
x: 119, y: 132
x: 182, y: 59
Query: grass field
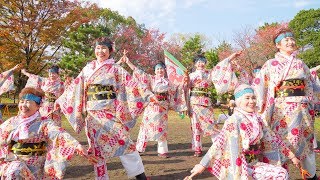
x: 175, y: 167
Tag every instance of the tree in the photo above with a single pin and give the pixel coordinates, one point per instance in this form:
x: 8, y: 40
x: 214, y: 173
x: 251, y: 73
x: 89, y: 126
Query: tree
x: 77, y: 47
x: 144, y: 46
x: 306, y: 27
x: 257, y: 44
x: 192, y: 47
x: 32, y: 30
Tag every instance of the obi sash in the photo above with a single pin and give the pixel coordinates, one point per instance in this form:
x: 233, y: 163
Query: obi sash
x: 28, y: 148
x: 252, y: 155
x: 100, y: 92
x: 291, y: 87
x: 162, y: 96
x: 200, y: 92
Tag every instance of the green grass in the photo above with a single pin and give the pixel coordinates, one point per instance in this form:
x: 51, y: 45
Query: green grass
x: 176, y: 167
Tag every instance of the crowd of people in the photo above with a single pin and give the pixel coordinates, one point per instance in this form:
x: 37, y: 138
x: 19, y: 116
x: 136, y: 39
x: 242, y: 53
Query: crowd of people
x: 270, y: 122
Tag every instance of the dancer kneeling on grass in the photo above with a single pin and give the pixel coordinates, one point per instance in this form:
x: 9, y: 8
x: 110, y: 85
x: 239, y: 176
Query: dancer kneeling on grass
x: 237, y: 152
x: 33, y: 147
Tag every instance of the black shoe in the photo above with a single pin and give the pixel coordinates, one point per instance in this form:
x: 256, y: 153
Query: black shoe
x: 141, y: 176
x: 313, y: 178
x: 164, y: 155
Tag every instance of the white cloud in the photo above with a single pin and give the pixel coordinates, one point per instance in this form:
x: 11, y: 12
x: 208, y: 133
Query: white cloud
x: 190, y: 3
x: 151, y: 13
x: 301, y: 3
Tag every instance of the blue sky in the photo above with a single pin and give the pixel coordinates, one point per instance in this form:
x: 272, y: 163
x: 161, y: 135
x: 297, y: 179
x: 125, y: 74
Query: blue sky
x: 217, y: 19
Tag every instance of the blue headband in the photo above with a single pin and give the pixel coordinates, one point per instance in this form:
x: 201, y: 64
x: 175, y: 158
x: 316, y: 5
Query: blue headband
x: 54, y: 70
x: 283, y: 35
x: 32, y: 97
x: 200, y: 59
x: 242, y: 92
x: 256, y: 70
x: 159, y: 66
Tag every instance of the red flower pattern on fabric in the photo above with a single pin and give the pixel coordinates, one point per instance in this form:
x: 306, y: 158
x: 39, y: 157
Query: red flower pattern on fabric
x: 243, y: 126
x: 265, y: 160
x: 238, y: 161
x: 274, y: 63
x: 294, y: 131
x: 52, y: 172
x: 69, y: 110
x: 121, y: 142
x: 139, y: 104
x: 283, y: 123
x: 76, y: 81
x: 256, y: 80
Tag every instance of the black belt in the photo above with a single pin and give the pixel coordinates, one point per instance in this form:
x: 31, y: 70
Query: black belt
x: 162, y: 96
x: 100, y: 92
x: 28, y: 148
x: 292, y: 87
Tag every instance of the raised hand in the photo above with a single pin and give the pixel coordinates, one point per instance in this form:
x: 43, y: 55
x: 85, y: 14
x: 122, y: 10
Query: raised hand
x: 198, y: 169
x: 124, y: 58
x: 235, y: 55
x: 17, y: 67
x: 80, y: 151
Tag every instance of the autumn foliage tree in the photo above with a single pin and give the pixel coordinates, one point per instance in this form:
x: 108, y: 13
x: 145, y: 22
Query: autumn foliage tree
x: 32, y: 30
x: 77, y: 47
x: 144, y: 46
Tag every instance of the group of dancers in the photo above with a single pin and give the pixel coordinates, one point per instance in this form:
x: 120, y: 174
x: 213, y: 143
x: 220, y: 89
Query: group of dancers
x: 272, y: 123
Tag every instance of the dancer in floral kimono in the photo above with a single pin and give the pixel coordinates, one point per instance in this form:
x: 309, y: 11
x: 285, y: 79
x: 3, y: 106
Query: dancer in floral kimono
x: 34, y: 147
x: 106, y: 102
x: 7, y: 82
x: 284, y: 89
x: 236, y: 153
x: 201, y: 110
x: 316, y: 89
x: 154, y: 125
x: 53, y: 88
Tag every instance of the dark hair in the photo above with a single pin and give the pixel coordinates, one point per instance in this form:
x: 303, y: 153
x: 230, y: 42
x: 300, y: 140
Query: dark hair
x: 54, y: 69
x: 199, y: 57
x: 104, y: 41
x: 161, y: 64
x: 280, y: 31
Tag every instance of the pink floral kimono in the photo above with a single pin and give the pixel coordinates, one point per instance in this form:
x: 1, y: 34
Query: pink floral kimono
x: 53, y: 90
x: 285, y: 97
x: 106, y: 102
x: 6, y: 84
x: 237, y: 152
x: 51, y: 147
x: 154, y: 123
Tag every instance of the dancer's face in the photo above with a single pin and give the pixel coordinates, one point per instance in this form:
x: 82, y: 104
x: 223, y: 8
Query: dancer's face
x: 200, y: 65
x: 102, y: 52
x: 53, y: 76
x: 159, y: 71
x: 248, y: 102
x: 27, y: 107
x: 287, y: 45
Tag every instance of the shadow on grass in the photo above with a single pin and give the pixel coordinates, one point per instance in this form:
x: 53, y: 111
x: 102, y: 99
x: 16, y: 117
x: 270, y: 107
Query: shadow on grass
x: 182, y: 175
x: 78, y: 171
